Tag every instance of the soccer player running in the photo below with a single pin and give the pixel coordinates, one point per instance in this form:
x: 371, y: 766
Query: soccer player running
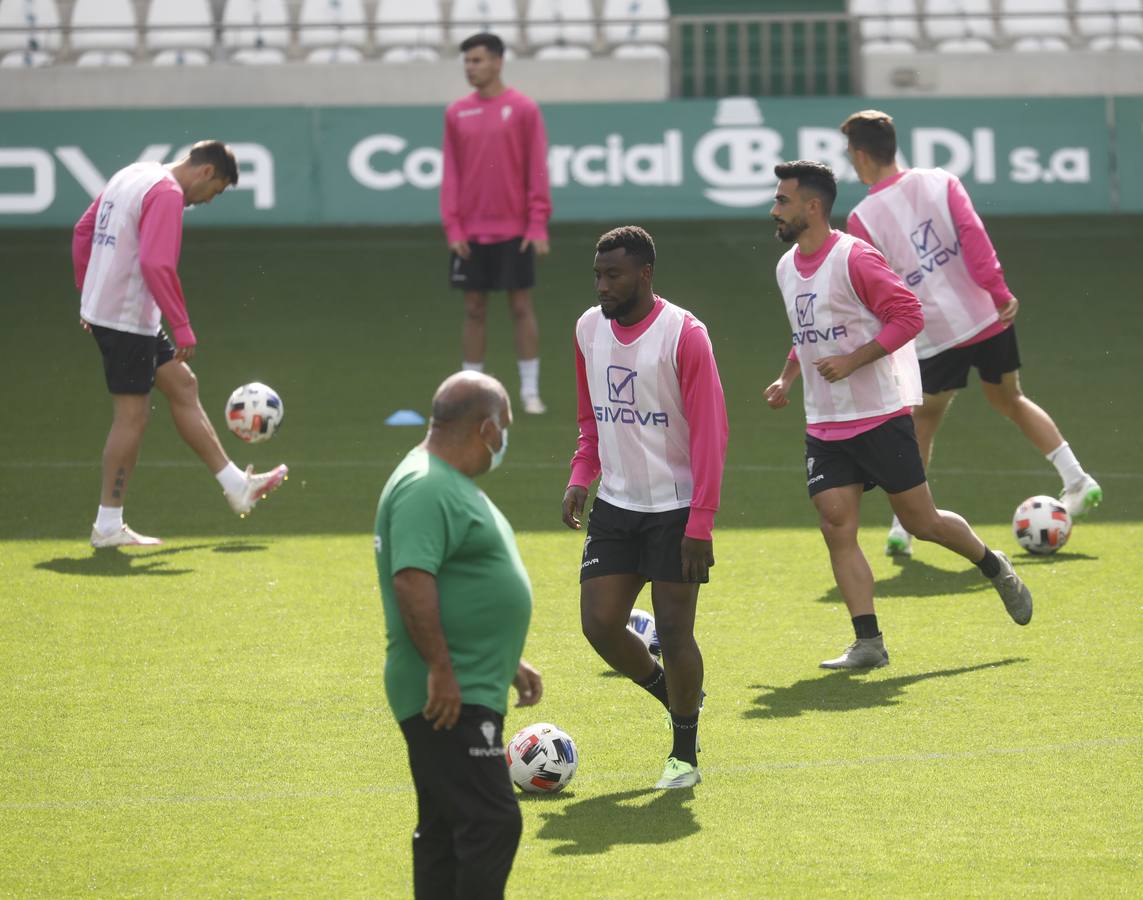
x: 924, y: 223
x: 125, y: 250
x: 853, y: 323
x: 495, y: 204
x: 652, y: 419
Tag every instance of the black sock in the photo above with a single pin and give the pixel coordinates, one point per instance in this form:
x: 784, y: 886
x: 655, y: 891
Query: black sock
x: 989, y: 565
x: 656, y: 685
x: 865, y: 626
x: 685, y: 729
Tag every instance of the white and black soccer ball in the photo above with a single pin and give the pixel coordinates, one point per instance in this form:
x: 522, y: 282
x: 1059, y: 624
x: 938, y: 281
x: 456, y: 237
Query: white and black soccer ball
x: 643, y: 624
x: 541, y: 758
x: 1042, y: 524
x: 254, y: 412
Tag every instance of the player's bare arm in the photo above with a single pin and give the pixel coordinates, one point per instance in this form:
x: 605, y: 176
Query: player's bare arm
x: 837, y: 368
x: 419, y: 603
x: 528, y: 683
x: 574, y: 499
x: 777, y: 394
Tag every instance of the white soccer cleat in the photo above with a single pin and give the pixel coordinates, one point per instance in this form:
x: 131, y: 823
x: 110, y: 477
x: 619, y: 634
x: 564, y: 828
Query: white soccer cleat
x: 1082, y: 497
x: 678, y: 774
x: 257, y: 487
x: 532, y: 404
x: 899, y: 542
x: 863, y: 653
x: 124, y: 537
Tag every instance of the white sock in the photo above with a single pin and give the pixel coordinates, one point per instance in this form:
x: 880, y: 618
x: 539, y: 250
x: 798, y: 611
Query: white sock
x: 1067, y: 465
x: 232, y: 479
x: 467, y: 366
x: 109, y: 519
x: 529, y: 377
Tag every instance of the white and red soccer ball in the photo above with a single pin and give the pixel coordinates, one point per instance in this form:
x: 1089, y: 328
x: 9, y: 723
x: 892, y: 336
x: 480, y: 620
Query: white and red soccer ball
x: 1042, y: 524
x: 254, y: 412
x: 541, y: 758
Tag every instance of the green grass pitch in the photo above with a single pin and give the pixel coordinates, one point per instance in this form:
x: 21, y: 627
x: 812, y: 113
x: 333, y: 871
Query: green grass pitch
x: 207, y: 717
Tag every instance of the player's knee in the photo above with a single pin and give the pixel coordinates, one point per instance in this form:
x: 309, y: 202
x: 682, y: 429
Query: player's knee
x: 1006, y: 403
x: 922, y: 527
x: 597, y: 629
x: 837, y: 530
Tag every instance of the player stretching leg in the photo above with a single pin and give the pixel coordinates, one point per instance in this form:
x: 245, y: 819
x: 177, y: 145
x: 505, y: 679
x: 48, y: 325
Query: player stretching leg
x: 652, y: 420
x: 924, y: 223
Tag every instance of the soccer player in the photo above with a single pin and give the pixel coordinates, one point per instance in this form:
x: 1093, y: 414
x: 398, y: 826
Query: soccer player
x: 125, y: 250
x: 853, y: 322
x: 495, y: 205
x: 924, y: 223
x: 457, y: 603
x: 652, y: 419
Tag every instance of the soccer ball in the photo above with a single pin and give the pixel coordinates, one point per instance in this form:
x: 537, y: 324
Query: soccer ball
x: 541, y: 758
x: 643, y: 624
x: 1042, y: 524
x: 254, y: 412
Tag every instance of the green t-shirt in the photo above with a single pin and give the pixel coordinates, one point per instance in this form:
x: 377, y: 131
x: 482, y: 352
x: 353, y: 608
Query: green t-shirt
x: 434, y: 518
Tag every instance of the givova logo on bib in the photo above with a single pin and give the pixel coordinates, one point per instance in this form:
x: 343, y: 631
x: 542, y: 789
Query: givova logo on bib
x: 621, y: 390
x: 810, y: 334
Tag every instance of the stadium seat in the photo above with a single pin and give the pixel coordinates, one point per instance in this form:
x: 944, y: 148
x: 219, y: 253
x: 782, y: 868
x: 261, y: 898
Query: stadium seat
x: 190, y: 57
x: 886, y: 26
x: 554, y: 26
x: 103, y: 31
x: 640, y: 51
x: 635, y: 21
x: 181, y: 30
x: 960, y: 26
x: 498, y: 16
x: 332, y: 25
x: 326, y: 55
x: 1110, y: 24
x: 31, y: 30
x: 258, y: 31
x: 1036, y: 25
x: 410, y: 30
x: 410, y: 54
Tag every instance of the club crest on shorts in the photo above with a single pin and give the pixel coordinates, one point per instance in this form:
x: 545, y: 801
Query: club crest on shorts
x: 586, y: 544
x: 809, y: 465
x: 489, y: 732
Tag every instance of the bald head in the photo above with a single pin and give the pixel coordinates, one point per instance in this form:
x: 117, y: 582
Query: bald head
x: 466, y: 399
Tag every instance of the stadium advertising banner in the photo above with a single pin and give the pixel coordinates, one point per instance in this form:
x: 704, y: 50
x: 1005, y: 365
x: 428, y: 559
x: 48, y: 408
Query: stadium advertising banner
x: 678, y: 159
x: 1129, y: 152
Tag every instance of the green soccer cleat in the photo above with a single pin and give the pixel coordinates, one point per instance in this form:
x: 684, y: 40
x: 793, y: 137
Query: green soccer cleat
x: 899, y: 542
x: 1082, y: 497
x: 678, y: 774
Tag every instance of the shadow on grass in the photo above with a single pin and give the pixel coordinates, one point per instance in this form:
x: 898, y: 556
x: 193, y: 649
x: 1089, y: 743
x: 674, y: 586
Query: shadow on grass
x: 1060, y: 556
x: 842, y: 691
x: 597, y: 824
x: 115, y: 562
x: 915, y: 578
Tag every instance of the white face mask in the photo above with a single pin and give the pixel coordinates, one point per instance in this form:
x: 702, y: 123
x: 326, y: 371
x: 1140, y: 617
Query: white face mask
x: 498, y: 455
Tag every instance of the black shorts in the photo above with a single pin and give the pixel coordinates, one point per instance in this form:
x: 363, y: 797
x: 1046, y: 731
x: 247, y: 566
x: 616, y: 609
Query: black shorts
x: 131, y: 360
x: 494, y: 267
x: 993, y: 358
x: 623, y: 542
x: 886, y: 457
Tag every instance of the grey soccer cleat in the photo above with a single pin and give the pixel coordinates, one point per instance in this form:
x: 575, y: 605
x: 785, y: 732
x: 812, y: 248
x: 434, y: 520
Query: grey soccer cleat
x: 864, y: 653
x: 1012, y: 590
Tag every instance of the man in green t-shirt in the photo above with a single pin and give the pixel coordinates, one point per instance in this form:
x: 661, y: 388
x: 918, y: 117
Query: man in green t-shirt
x: 457, y: 603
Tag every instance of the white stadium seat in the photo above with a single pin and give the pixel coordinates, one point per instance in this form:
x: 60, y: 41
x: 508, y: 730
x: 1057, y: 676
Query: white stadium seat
x: 1110, y: 24
x: 181, y: 30
x: 635, y: 21
x: 327, y: 55
x: 960, y: 26
x: 332, y: 23
x: 563, y: 51
x: 640, y: 51
x: 559, y: 25
x: 32, y: 29
x: 498, y: 16
x: 104, y: 25
x: 408, y: 26
x: 886, y: 26
x: 258, y: 29
x: 1036, y: 25
x: 410, y: 54
x: 189, y: 57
